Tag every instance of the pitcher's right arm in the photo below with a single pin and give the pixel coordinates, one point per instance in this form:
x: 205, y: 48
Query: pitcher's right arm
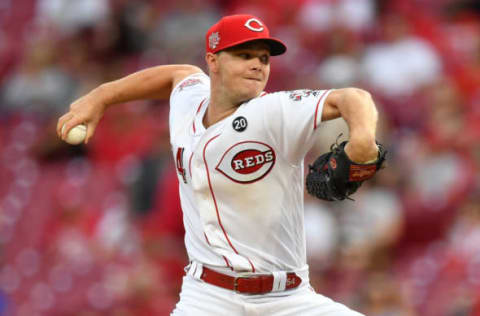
x: 151, y: 83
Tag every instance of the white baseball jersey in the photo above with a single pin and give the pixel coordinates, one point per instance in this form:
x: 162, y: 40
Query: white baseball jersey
x: 241, y: 180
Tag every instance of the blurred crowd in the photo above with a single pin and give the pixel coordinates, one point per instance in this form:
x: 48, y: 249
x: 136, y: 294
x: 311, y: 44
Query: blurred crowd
x: 97, y: 229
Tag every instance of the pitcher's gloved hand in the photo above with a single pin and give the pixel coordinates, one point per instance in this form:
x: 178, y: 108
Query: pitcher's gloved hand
x: 333, y: 176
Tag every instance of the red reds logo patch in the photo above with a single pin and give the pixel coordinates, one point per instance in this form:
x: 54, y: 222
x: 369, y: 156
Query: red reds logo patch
x: 247, y: 162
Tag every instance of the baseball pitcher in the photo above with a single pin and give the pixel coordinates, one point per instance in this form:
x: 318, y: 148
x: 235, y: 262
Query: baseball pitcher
x: 239, y: 155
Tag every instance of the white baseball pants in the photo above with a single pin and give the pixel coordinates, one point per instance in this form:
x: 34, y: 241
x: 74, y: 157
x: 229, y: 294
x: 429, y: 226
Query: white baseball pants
x: 198, y: 298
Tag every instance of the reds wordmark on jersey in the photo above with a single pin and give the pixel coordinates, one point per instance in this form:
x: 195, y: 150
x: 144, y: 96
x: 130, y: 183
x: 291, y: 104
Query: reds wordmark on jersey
x: 241, y: 180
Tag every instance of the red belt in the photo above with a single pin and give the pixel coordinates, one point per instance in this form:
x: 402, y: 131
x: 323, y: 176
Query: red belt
x: 256, y: 284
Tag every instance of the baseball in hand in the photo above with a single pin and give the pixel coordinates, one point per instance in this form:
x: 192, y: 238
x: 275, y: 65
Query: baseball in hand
x: 76, y: 135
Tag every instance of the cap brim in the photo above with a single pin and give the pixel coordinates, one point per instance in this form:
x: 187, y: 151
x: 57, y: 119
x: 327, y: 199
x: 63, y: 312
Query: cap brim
x: 276, y: 46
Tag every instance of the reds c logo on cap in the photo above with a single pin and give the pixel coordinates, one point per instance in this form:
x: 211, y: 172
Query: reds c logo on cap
x: 247, y: 162
x: 251, y: 27
x: 233, y: 30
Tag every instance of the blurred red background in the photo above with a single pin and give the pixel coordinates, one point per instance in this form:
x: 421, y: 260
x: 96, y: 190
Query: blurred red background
x: 97, y: 230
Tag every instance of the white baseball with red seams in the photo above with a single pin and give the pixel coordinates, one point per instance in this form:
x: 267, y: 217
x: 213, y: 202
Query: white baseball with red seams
x: 242, y: 189
x: 76, y: 135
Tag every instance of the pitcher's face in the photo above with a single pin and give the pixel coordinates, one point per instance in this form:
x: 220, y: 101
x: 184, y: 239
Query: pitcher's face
x: 244, y: 70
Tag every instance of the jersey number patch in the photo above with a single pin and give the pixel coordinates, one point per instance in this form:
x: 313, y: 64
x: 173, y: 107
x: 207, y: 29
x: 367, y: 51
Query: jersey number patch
x: 181, y: 171
x: 239, y: 124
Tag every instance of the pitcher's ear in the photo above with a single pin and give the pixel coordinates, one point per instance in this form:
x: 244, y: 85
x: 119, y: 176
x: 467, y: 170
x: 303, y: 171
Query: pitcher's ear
x: 212, y: 62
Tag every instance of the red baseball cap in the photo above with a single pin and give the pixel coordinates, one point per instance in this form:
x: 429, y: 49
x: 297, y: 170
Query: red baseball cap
x: 237, y: 29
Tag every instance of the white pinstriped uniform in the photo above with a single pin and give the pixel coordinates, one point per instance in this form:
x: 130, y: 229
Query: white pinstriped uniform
x: 241, y: 190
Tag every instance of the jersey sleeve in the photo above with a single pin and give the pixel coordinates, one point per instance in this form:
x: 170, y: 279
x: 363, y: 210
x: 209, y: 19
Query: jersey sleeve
x: 292, y: 119
x: 187, y: 95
